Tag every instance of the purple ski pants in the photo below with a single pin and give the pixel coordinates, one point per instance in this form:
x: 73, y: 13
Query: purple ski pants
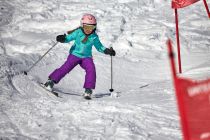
x: 86, y: 63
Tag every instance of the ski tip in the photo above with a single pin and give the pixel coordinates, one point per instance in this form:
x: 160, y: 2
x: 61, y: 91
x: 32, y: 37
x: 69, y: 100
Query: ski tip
x: 56, y: 94
x: 87, y: 97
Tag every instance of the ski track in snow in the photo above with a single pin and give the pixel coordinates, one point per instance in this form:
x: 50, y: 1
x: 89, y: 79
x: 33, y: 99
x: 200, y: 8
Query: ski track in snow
x: 96, y: 119
x: 145, y: 109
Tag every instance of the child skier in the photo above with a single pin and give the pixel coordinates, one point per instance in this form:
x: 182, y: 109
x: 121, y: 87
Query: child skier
x: 80, y: 53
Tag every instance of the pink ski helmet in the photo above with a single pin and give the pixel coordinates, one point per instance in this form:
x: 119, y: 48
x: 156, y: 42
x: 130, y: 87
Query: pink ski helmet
x: 88, y: 19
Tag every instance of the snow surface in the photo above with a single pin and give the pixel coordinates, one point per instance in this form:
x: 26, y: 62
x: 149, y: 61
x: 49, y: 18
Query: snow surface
x: 137, y: 29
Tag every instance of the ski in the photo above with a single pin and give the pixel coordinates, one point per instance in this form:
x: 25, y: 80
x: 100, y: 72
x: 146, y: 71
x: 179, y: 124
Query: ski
x: 51, y: 92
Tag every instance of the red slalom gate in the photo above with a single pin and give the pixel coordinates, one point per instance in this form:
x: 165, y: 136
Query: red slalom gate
x: 193, y: 99
x: 177, y: 4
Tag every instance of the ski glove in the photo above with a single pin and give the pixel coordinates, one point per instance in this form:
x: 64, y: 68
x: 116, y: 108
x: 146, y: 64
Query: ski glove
x: 61, y: 38
x: 110, y: 51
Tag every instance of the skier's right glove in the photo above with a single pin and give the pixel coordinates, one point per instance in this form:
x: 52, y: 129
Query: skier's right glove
x: 61, y: 38
x: 110, y: 51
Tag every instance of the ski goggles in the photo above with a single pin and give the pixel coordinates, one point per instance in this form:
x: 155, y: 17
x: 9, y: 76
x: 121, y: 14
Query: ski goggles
x: 88, y: 27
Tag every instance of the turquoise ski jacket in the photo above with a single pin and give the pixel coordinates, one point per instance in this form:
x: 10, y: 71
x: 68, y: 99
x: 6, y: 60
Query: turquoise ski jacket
x: 81, y: 49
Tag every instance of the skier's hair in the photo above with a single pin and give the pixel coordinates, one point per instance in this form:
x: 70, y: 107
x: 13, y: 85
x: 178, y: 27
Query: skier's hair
x: 71, y: 31
x: 86, y: 36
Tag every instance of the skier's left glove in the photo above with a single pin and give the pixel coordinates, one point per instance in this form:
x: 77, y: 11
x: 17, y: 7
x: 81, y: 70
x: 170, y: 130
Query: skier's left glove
x: 110, y: 51
x: 61, y: 38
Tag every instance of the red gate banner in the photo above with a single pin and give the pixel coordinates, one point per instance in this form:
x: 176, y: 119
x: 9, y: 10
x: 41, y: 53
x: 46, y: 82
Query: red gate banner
x: 182, y: 3
x: 194, y: 98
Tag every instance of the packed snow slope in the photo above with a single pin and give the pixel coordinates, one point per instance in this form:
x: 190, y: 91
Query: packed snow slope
x: 137, y: 29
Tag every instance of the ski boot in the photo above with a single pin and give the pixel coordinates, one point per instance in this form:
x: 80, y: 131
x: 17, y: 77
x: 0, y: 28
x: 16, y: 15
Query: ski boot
x: 88, y: 93
x: 49, y: 85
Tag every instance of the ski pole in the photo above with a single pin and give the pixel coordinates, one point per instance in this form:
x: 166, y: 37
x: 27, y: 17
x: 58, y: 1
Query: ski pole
x: 111, y: 89
x: 26, y: 72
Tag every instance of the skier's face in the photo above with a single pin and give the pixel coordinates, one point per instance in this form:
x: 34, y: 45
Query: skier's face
x: 88, y: 29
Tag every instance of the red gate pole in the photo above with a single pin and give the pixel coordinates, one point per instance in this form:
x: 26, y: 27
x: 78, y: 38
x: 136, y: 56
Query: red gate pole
x: 178, y: 95
x: 177, y: 39
x: 207, y: 8
x: 171, y: 56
